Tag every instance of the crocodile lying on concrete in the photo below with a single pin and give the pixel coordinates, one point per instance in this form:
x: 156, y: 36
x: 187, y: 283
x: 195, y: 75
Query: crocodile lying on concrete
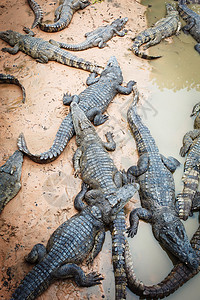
x: 99, y: 172
x: 37, y: 11
x: 68, y: 246
x: 193, y: 22
x: 63, y: 14
x: 165, y: 27
x: 98, y: 37
x: 6, y: 78
x: 43, y: 51
x: 157, y: 193
x: 191, y: 174
x: 10, y: 174
x: 93, y: 101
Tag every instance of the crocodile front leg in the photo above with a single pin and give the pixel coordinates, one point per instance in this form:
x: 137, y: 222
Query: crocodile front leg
x: 10, y: 50
x: 76, y: 161
x: 135, y: 216
x: 74, y: 271
x: 197, y: 48
x: 126, y: 90
x: 110, y: 145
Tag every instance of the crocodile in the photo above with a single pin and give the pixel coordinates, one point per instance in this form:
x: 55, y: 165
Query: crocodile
x: 6, y: 78
x: 79, y: 237
x: 10, y: 174
x: 98, y: 37
x: 191, y: 174
x: 93, y: 101
x: 64, y: 14
x: 179, y: 275
x: 193, y: 22
x: 97, y: 170
x: 43, y: 51
x: 164, y: 28
x: 36, y: 8
x: 157, y: 193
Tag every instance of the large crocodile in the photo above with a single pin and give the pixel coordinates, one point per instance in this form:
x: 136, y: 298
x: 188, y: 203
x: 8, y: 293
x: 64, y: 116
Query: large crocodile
x: 64, y: 14
x: 157, y: 193
x: 80, y: 236
x: 191, y: 174
x: 98, y: 37
x: 193, y: 22
x: 37, y: 11
x: 93, y: 101
x: 10, y: 174
x: 43, y: 51
x: 165, y: 27
x: 99, y: 172
x: 6, y: 78
x: 179, y: 275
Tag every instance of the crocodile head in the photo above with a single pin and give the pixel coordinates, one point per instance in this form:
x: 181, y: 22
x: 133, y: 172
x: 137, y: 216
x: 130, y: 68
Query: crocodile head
x: 119, y: 23
x: 171, y: 10
x: 9, y: 36
x: 170, y: 232
x: 195, y: 112
x: 112, y: 71
x: 112, y: 203
x: 83, y: 127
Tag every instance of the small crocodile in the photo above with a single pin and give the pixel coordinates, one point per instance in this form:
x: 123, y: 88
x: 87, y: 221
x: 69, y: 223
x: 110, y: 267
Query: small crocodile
x: 98, y: 37
x: 165, y: 27
x: 63, y: 14
x: 80, y: 236
x: 43, y: 51
x: 193, y: 22
x: 93, y: 101
x: 10, y: 174
x: 37, y: 11
x: 190, y: 179
x: 6, y: 78
x: 157, y: 193
x: 98, y: 171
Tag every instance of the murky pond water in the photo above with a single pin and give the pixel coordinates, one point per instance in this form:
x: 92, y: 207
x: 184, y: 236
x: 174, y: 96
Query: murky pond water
x: 175, y: 88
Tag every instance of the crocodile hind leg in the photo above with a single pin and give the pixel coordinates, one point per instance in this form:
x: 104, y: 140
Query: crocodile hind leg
x: 141, y: 168
x: 37, y: 254
x: 135, y: 216
x: 10, y: 50
x: 188, y: 140
x: 110, y: 145
x: 197, y: 48
x: 78, y: 201
x: 153, y: 42
x: 98, y: 244
x: 170, y: 162
x: 81, y: 279
x: 95, y: 115
x: 190, y: 24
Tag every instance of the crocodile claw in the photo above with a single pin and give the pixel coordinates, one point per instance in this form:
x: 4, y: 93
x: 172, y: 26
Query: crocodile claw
x: 93, y: 278
x: 131, y: 231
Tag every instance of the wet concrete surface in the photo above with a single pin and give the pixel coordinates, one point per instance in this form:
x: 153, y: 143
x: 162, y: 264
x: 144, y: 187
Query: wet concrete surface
x: 46, y: 198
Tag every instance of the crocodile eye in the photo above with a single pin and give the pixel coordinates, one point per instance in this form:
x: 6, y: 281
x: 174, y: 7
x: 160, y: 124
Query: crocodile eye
x: 110, y: 64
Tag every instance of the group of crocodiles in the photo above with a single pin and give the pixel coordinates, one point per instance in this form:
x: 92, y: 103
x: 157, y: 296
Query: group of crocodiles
x: 105, y: 190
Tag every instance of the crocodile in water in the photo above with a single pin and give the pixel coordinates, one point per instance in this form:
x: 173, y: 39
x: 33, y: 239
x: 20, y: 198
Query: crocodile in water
x: 93, y: 101
x: 190, y: 179
x: 43, y: 51
x: 10, y: 174
x: 6, y: 78
x: 193, y: 22
x: 80, y: 236
x: 99, y: 172
x: 98, y: 37
x: 165, y: 27
x: 157, y: 193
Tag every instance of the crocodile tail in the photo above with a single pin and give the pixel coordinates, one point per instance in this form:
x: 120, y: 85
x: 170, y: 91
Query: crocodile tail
x: 184, y: 199
x: 37, y: 11
x: 78, y: 47
x: 35, y: 282
x: 134, y: 284
x: 142, y: 54
x: 13, y: 80
x: 67, y: 58
x: 63, y: 136
x: 118, y: 229
x: 179, y: 275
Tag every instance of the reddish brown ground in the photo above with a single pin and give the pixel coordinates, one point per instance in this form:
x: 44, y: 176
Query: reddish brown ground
x: 46, y: 197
